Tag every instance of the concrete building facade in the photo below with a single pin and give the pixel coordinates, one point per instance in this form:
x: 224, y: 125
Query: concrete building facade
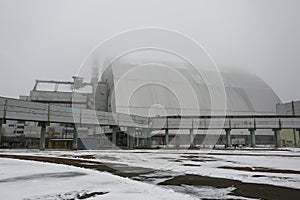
x: 290, y: 137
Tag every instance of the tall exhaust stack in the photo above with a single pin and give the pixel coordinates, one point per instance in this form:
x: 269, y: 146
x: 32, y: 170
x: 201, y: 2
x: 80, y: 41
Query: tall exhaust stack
x: 95, y: 74
x: 100, y: 89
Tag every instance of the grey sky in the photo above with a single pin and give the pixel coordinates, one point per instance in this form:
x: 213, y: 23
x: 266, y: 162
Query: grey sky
x: 50, y: 39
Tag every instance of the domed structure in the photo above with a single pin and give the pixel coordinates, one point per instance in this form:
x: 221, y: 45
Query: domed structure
x: 175, y: 89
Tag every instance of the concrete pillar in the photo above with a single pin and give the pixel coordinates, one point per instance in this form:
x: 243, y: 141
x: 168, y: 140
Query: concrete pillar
x: 143, y: 138
x: 295, y: 138
x: 191, y: 137
x: 167, y: 137
x: 1, y: 131
x: 277, y: 137
x: 114, y: 137
x: 252, y: 137
x: 43, y: 135
x: 138, y: 141
x: 130, y: 138
x: 148, y: 139
x: 228, y: 137
x: 75, y: 138
x: 299, y: 137
x: 294, y: 130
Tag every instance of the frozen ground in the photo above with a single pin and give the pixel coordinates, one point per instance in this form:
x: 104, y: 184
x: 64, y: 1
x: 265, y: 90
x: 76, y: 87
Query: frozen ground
x: 280, y: 168
x: 34, y: 180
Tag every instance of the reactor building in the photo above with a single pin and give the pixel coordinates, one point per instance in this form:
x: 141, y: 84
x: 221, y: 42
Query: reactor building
x: 165, y: 89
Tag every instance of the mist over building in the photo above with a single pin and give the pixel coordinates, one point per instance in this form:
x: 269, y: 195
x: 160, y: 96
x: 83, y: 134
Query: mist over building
x: 116, y: 91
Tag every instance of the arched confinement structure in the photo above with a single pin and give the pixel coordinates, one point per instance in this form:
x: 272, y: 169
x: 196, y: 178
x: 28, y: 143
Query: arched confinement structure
x: 164, y: 89
x: 245, y: 93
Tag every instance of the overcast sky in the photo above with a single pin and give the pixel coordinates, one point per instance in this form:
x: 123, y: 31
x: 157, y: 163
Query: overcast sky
x: 50, y: 39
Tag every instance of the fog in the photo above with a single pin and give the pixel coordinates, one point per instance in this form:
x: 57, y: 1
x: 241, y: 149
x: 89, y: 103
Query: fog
x: 50, y: 39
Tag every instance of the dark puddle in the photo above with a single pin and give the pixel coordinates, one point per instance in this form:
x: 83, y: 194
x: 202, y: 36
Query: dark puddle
x: 88, y: 195
x: 191, y: 165
x: 73, y: 195
x: 85, y: 156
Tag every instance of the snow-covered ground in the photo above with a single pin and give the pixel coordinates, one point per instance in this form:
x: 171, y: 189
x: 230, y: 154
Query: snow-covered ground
x: 33, y: 180
x: 202, y: 162
x: 166, y: 163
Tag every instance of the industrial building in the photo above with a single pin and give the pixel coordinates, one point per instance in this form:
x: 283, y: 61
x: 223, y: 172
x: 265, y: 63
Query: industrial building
x: 246, y: 94
x: 289, y: 137
x: 26, y: 134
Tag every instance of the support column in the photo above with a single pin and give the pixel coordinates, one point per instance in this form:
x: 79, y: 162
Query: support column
x: 1, y: 131
x: 114, y: 137
x: 191, y: 137
x: 43, y: 136
x: 138, y: 141
x: 75, y: 138
x: 167, y: 137
x: 277, y: 138
x: 252, y: 137
x: 299, y: 137
x: 228, y: 137
x: 130, y: 138
x: 294, y: 130
x: 148, y: 139
x: 143, y: 138
x: 295, y: 138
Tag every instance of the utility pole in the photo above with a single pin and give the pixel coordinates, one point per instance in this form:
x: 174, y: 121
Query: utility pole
x: 294, y: 130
